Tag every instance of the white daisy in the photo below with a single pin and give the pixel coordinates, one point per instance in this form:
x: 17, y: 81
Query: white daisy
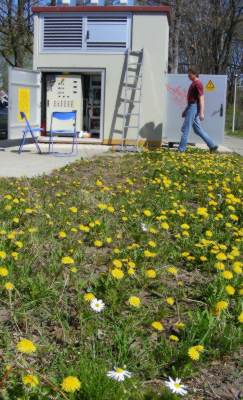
x: 144, y: 227
x: 97, y: 305
x: 176, y: 386
x: 119, y: 374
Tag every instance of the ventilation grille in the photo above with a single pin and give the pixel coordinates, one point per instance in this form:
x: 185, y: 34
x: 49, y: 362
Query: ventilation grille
x: 107, y: 32
x: 63, y: 32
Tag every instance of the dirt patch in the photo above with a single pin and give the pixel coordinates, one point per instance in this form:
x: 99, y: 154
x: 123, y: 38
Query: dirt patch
x: 222, y: 380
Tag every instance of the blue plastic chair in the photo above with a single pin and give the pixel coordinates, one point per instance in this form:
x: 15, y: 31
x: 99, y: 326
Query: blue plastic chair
x: 29, y: 129
x: 63, y: 116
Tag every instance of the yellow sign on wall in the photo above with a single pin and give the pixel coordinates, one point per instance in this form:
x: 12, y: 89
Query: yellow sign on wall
x: 24, y: 102
x: 210, y: 87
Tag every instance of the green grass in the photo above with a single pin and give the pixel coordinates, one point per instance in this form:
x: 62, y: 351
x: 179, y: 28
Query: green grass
x: 238, y: 119
x: 236, y: 133
x: 47, y: 304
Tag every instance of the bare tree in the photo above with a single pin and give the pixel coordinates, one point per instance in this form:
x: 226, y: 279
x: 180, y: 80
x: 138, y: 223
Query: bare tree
x: 16, y: 26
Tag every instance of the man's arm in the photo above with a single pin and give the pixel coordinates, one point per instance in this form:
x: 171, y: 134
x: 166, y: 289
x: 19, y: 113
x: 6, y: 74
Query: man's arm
x: 202, y: 107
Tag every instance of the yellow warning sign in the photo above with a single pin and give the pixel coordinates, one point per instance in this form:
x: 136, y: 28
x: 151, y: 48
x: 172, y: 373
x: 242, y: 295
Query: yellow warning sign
x: 24, y: 102
x: 210, y: 87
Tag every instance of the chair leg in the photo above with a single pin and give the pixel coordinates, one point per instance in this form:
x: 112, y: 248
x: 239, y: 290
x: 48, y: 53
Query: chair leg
x: 22, y: 143
x: 36, y: 143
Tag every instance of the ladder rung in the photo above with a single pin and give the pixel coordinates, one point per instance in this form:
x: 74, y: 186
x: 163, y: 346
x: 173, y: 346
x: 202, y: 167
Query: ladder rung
x: 132, y: 114
x: 129, y: 64
x: 134, y: 76
x: 135, y: 53
x: 131, y: 101
x: 131, y: 126
x: 132, y: 88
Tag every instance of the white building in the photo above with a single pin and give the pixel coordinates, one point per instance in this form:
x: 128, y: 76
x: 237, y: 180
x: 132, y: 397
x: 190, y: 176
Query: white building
x: 80, y: 54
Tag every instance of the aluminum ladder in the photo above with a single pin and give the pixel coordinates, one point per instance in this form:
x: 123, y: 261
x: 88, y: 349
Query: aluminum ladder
x: 132, y: 100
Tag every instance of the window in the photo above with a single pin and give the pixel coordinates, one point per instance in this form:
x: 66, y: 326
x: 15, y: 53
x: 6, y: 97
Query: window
x: 107, y: 32
x: 85, y: 33
x: 63, y: 32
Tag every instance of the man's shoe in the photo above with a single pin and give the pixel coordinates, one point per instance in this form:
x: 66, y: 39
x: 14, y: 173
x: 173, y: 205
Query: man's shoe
x: 213, y: 149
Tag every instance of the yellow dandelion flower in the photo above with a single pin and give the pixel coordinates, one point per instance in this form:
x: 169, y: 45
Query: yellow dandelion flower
x: 147, y: 213
x: 194, y: 352
x: 73, y: 210
x: 108, y: 240
x: 221, y: 256
x: 117, y: 263
x: 219, y: 266
x: 157, y: 326
x: 26, y: 346
x: 111, y: 209
x: 134, y: 301
x: 116, y: 250
x: 170, y: 301
x: 102, y: 206
x: 230, y: 290
x: 240, y: 317
x: 150, y: 273
x: 3, y: 254
x: 221, y: 306
x: 62, y: 235
x: 234, y: 217
x: 165, y: 226
x: 179, y: 325
x: 71, y: 384
x: 203, y: 258
x: 172, y: 270
x: 67, y: 260
x: 131, y: 264
x: 89, y: 296
x: 31, y: 380
x: 209, y: 234
x: 117, y: 273
x: 185, y: 227
x: 174, y: 338
x: 74, y: 269
x: 227, y: 275
x: 237, y: 267
x: 9, y: 286
x: 202, y: 211
x: 3, y: 271
x: 199, y: 348
x: 99, y: 182
x: 98, y: 243
x: 131, y: 271
x: 151, y: 243
x: 149, y: 254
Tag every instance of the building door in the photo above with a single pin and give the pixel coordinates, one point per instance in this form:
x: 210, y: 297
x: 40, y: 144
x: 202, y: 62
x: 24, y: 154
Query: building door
x: 24, y: 94
x: 215, y: 90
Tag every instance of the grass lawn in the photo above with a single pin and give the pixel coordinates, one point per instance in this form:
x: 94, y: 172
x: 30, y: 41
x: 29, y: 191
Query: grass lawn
x: 157, y: 237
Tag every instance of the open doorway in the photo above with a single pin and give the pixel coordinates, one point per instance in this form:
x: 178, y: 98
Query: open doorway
x: 82, y: 91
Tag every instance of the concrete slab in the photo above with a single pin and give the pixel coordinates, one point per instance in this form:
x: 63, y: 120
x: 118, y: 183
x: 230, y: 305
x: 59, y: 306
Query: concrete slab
x: 29, y: 163
x: 234, y: 143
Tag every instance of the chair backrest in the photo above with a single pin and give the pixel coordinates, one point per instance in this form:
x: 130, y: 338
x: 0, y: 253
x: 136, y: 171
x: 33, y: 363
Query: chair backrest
x: 23, y: 116
x: 64, y: 116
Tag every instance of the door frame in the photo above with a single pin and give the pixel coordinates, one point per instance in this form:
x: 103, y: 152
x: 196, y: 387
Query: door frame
x: 101, y: 71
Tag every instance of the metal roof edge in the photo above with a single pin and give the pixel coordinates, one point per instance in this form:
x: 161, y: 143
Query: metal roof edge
x: 163, y: 9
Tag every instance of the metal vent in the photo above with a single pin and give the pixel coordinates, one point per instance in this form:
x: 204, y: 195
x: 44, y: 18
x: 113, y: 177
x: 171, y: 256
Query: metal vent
x: 63, y: 32
x: 107, y: 32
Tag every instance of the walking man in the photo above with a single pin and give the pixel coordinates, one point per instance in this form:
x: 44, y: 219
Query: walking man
x: 194, y: 112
